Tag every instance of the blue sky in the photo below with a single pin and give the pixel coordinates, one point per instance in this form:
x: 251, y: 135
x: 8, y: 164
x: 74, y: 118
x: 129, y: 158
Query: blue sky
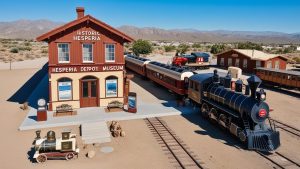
x: 243, y: 15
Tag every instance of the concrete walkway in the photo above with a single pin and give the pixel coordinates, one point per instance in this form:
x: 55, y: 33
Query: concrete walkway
x: 98, y: 114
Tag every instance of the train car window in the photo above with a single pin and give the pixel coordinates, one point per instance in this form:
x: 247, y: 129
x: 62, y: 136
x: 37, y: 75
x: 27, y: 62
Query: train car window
x: 197, y: 87
x: 289, y: 77
x: 191, y: 84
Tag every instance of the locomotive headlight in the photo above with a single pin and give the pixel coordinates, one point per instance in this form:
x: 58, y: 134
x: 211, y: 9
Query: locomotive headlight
x: 263, y: 96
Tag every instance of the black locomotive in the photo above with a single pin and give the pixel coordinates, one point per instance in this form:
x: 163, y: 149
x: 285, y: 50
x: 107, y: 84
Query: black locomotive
x: 243, y: 114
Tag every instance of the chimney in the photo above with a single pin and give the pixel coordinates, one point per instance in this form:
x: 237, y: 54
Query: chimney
x: 80, y: 12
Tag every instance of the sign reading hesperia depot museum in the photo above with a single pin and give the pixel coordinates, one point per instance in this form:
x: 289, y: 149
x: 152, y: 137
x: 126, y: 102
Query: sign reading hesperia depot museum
x: 87, y: 35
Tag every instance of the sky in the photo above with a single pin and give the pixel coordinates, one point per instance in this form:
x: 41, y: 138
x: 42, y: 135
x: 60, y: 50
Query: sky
x: 237, y: 15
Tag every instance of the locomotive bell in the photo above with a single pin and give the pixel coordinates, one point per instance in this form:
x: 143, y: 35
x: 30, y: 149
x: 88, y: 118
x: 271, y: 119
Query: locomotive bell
x: 239, y: 86
x: 253, y: 82
x: 51, y: 136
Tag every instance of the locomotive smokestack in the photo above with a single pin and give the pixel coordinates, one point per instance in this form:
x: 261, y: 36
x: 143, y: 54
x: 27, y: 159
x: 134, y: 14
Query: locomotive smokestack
x: 216, y: 77
x: 227, y: 81
x: 253, y: 83
x: 239, y: 86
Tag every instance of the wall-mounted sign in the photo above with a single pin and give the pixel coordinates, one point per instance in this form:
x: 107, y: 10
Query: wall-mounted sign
x: 74, y: 69
x: 87, y: 35
x: 111, y: 88
x: 64, y: 90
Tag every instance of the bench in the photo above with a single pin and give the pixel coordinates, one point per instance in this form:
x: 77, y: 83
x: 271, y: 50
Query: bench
x: 64, y: 109
x: 114, y: 104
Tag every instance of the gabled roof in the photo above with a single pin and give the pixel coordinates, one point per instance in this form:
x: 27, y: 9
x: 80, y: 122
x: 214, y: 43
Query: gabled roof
x: 255, y: 54
x: 46, y: 36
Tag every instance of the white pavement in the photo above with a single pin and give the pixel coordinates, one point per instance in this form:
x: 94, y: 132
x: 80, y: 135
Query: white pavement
x: 98, y: 114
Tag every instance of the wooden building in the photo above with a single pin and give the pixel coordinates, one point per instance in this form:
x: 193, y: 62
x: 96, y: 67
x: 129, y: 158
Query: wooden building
x: 248, y: 60
x: 86, y: 63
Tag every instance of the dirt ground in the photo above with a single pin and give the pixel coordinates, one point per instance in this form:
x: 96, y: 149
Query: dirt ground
x: 139, y: 149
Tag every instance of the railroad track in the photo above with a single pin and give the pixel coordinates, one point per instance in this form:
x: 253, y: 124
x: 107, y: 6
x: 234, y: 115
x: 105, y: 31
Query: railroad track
x: 280, y: 160
x: 286, y: 127
x: 179, y: 154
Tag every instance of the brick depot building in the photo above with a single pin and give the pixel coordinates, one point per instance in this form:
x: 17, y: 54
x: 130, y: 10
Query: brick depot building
x: 86, y: 63
x: 248, y: 60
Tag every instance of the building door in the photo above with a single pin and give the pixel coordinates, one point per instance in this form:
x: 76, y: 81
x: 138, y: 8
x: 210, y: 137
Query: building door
x: 89, y: 92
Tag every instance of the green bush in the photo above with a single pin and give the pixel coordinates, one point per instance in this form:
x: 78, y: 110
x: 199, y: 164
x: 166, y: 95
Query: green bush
x: 14, y: 50
x: 296, y: 59
x: 141, y: 47
x: 218, y: 48
x: 196, y: 45
x: 24, y: 48
x: 249, y: 45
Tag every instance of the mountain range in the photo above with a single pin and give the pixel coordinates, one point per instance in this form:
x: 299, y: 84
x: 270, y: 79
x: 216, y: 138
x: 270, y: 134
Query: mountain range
x: 30, y: 29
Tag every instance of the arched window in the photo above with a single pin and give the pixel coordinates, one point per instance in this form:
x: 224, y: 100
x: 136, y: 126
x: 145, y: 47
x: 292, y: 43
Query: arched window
x: 111, y: 86
x: 64, y: 87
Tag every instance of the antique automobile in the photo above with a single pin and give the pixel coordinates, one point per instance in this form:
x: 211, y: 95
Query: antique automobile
x: 51, y: 147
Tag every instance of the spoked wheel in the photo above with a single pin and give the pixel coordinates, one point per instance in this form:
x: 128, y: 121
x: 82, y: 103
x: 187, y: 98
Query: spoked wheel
x: 213, y: 115
x: 69, y: 156
x: 41, y: 158
x: 204, y: 110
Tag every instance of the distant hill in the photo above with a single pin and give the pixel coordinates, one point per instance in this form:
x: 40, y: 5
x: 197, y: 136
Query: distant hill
x: 30, y: 29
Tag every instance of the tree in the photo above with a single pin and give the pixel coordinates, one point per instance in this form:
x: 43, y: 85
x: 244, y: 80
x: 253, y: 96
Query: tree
x: 182, y: 48
x: 196, y: 45
x: 217, y: 48
x: 141, y: 47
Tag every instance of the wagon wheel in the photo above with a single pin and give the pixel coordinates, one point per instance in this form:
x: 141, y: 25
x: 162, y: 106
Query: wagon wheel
x: 204, y: 110
x: 41, y: 158
x: 69, y: 156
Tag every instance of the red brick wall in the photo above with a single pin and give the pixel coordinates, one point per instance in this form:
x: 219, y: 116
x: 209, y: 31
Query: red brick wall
x: 76, y: 45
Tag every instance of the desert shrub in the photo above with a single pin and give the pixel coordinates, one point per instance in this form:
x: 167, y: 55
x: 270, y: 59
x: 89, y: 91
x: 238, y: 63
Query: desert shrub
x: 2, y: 50
x: 182, y: 48
x: 20, y: 59
x: 14, y: 50
x: 27, y: 44
x: 169, y: 48
x: 218, y: 48
x: 196, y: 45
x: 44, y: 51
x: 296, y: 59
x: 24, y: 48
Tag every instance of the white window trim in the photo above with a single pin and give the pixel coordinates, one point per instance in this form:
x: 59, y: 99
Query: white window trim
x: 245, y: 61
x: 69, y: 53
x: 110, y: 61
x: 237, y: 62
x: 229, y: 62
x: 84, y: 61
x: 222, y: 61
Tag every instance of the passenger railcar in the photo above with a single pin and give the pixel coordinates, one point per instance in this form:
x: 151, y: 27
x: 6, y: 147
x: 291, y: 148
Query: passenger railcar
x: 171, y: 77
x: 243, y: 115
x: 136, y: 64
x: 282, y: 78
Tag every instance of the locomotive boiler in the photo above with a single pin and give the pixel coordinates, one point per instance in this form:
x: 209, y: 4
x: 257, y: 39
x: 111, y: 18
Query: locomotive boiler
x: 243, y: 114
x: 53, y: 148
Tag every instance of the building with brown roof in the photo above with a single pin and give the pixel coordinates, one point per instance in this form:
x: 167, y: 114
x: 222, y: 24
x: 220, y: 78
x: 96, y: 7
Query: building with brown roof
x: 86, y: 63
x: 248, y: 60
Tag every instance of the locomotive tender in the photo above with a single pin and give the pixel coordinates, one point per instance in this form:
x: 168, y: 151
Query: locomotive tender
x: 243, y: 114
x: 52, y: 148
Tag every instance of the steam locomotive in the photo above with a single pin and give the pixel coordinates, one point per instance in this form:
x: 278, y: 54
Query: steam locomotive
x: 244, y: 115
x: 52, y: 148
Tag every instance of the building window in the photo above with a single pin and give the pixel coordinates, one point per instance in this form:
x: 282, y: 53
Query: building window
x: 258, y: 63
x: 109, y: 53
x: 269, y: 64
x: 237, y: 62
x: 222, y: 62
x: 87, y: 52
x: 229, y: 61
x: 277, y: 64
x: 63, y: 53
x: 111, y: 84
x: 245, y: 63
x: 64, y: 89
